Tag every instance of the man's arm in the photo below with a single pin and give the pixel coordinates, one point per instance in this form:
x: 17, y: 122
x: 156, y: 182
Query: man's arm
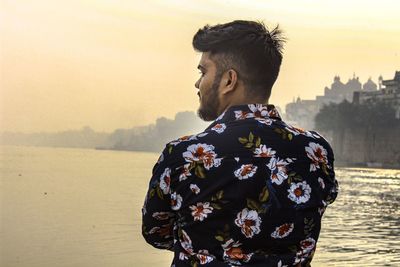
x: 157, y: 216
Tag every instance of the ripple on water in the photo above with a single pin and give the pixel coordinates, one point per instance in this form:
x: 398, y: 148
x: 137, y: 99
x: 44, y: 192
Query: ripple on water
x: 362, y: 228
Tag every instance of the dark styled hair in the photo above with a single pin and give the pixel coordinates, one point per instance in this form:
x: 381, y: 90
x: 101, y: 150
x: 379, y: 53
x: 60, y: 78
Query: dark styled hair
x: 249, y: 48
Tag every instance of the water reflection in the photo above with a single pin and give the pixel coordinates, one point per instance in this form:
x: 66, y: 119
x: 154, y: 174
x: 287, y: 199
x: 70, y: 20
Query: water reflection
x: 90, y: 214
x: 362, y: 228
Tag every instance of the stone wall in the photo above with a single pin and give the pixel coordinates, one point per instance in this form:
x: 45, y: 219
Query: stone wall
x: 367, y: 145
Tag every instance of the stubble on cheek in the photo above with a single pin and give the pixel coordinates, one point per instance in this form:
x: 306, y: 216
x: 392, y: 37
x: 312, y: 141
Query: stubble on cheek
x: 209, y: 104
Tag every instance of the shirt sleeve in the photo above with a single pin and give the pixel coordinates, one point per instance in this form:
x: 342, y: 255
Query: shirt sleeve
x: 331, y: 183
x: 157, y: 216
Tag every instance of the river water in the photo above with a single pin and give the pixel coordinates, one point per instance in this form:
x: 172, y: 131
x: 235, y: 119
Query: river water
x: 80, y: 207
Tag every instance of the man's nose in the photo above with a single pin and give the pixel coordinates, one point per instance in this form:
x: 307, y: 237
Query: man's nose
x: 197, y: 84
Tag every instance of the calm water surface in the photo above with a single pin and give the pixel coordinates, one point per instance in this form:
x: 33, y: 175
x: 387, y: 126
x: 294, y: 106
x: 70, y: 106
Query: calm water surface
x: 80, y: 207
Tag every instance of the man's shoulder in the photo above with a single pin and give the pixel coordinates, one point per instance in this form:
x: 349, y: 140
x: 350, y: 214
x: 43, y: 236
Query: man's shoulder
x: 309, y: 137
x: 181, y: 143
x: 187, y: 139
x: 220, y: 135
x: 211, y: 133
x: 208, y: 139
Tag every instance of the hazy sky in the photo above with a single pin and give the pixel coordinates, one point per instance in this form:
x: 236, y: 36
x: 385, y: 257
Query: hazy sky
x: 118, y: 64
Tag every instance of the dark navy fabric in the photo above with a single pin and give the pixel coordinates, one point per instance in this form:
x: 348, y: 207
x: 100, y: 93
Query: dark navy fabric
x: 248, y: 191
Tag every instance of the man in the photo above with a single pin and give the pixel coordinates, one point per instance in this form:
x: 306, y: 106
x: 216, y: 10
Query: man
x: 250, y: 190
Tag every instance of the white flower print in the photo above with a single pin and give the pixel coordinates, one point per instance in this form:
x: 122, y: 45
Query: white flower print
x: 273, y: 113
x: 233, y: 253
x: 202, y: 153
x: 278, y: 169
x: 144, y: 210
x: 298, y: 131
x: 241, y: 115
x: 216, y: 162
x: 195, y: 189
x: 259, y: 110
x: 293, y: 130
x: 204, y: 257
x: 183, y: 256
x: 162, y: 215
x: 321, y: 210
x: 163, y: 231
x: 307, y: 244
x: 313, y: 134
x: 219, y: 128
x: 201, y: 210
x: 186, y: 243
x: 154, y: 230
x: 299, y: 192
x: 245, y: 171
x: 321, y: 182
x: 249, y: 222
x: 264, y: 152
x: 317, y: 154
x: 201, y: 134
x: 176, y: 201
x: 280, y: 264
x: 220, y: 116
x: 185, y: 172
x: 283, y: 231
x: 167, y: 244
x: 306, y: 247
x: 266, y: 121
x: 183, y: 139
x: 165, y: 181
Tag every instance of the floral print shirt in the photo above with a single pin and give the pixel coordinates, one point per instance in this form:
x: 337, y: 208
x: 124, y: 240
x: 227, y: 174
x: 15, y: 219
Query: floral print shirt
x: 248, y: 191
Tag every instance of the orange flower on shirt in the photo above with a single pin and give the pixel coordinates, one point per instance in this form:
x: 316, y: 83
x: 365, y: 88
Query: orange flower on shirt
x: 249, y: 222
x: 233, y: 252
x: 201, y: 210
x: 283, y: 230
x: 202, y: 153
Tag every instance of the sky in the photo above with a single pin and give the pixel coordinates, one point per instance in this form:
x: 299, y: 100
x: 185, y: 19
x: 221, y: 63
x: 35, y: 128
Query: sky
x: 119, y: 64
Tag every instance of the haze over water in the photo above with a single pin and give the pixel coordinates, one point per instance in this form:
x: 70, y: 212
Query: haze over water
x: 81, y: 207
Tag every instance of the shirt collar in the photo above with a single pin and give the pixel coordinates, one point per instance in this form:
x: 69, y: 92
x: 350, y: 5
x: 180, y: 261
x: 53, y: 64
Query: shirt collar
x: 247, y: 111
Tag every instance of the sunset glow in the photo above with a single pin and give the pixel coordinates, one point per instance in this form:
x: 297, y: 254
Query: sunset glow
x: 118, y: 64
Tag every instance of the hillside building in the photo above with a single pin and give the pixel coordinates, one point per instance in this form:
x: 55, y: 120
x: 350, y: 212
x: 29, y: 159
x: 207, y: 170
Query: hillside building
x: 302, y: 112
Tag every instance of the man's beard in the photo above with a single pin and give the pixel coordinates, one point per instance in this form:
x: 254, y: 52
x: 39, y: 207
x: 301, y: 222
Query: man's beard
x: 209, y: 110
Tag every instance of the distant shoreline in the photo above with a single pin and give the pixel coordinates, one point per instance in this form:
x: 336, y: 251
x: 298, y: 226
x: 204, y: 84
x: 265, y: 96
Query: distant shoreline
x: 367, y: 165
x: 337, y: 163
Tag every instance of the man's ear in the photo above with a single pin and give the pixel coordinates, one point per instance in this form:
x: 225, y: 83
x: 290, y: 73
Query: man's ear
x: 229, y: 81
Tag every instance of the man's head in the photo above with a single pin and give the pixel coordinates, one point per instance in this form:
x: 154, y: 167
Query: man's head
x: 240, y: 63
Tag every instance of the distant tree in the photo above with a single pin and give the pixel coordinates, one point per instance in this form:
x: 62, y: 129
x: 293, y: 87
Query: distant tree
x: 346, y: 115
